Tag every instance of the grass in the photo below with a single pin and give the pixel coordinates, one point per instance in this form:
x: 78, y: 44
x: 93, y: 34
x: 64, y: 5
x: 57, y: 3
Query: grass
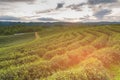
x: 62, y: 53
x: 11, y: 40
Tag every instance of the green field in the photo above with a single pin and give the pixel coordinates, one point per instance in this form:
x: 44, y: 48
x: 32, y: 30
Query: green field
x: 62, y: 53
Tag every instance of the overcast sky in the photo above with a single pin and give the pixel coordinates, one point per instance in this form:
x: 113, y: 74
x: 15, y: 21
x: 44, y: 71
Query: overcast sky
x: 60, y: 10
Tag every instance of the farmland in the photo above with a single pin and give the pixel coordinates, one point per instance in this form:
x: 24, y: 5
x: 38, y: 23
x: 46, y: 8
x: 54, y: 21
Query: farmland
x: 62, y: 53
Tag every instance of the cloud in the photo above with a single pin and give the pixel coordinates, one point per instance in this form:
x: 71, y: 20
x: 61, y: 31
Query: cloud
x: 8, y: 18
x: 112, y: 18
x: 46, y: 19
x: 76, y: 7
x: 72, y: 10
x: 100, y: 14
x: 15, y: 1
x: 60, y: 5
x: 95, y: 2
x: 45, y: 11
x: 71, y: 19
x: 43, y: 1
x: 91, y: 4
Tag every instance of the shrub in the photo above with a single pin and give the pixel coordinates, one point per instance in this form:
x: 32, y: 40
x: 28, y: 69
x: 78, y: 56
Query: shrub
x: 108, y: 56
x: 50, y: 54
x: 90, y: 69
x: 60, y: 62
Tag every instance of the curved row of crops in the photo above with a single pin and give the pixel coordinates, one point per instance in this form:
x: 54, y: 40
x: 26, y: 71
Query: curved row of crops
x: 66, y: 53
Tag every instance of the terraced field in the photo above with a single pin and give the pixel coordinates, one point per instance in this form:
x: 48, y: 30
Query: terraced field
x: 62, y: 53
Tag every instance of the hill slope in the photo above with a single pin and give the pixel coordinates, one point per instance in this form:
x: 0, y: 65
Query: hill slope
x: 63, y: 53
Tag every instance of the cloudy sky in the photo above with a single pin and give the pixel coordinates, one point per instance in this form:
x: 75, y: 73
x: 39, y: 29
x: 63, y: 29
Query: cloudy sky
x: 60, y: 10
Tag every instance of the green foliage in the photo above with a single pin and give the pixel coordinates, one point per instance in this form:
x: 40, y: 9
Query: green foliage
x: 70, y: 52
x: 18, y: 29
x: 90, y: 69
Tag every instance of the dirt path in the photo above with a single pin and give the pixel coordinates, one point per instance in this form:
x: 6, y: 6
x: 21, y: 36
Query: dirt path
x: 37, y: 35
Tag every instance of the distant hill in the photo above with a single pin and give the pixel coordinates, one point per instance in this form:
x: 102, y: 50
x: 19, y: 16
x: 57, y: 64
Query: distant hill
x: 2, y: 24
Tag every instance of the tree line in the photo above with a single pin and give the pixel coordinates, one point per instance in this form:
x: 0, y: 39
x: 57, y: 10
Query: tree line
x: 9, y: 30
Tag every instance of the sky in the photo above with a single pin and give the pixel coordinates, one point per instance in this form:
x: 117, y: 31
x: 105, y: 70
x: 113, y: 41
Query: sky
x: 60, y: 10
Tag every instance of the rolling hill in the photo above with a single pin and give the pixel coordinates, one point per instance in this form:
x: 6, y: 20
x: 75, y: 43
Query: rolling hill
x: 62, y: 53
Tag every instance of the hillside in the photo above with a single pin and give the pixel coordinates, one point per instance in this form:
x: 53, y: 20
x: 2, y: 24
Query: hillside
x: 62, y: 53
